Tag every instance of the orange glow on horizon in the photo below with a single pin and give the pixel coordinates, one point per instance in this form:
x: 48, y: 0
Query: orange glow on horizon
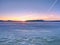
x: 30, y: 18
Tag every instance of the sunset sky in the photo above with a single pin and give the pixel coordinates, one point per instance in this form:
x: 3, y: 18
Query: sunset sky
x: 29, y: 9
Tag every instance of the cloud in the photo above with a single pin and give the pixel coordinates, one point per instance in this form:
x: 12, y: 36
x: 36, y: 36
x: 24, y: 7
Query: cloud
x: 53, y: 4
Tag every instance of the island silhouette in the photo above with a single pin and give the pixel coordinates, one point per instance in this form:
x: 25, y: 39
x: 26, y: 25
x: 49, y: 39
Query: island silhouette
x: 31, y: 21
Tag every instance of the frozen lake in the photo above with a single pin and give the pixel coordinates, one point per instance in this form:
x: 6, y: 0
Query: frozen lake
x: 30, y: 33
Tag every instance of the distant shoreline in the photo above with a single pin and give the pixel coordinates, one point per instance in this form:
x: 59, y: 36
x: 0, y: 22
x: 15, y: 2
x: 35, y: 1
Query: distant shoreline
x: 31, y: 21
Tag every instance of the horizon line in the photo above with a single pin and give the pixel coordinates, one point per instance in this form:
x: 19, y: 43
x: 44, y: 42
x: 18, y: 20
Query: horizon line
x: 28, y: 20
